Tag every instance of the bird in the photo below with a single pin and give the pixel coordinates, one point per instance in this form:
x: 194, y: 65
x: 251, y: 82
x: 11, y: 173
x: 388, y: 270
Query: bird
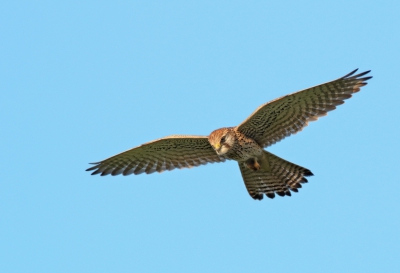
x: 263, y: 173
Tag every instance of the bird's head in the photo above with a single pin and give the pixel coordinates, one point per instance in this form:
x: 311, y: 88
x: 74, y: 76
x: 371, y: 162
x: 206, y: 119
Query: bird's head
x: 222, y: 140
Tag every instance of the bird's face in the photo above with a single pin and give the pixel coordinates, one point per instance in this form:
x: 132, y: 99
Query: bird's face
x: 222, y: 140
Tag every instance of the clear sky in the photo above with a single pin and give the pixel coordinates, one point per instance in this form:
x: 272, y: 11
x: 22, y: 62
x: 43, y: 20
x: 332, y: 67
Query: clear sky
x: 83, y: 80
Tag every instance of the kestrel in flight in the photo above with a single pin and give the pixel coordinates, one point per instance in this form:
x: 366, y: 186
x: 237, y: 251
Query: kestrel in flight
x: 262, y: 172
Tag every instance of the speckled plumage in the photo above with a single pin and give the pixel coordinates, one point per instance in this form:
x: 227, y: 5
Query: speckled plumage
x: 262, y: 172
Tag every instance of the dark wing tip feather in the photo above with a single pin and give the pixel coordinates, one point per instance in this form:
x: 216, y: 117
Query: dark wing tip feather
x: 94, y: 168
x: 351, y: 73
x: 91, y: 169
x: 96, y: 172
x: 366, y: 78
x: 362, y: 74
x: 357, y: 76
x: 308, y: 173
x: 297, y: 186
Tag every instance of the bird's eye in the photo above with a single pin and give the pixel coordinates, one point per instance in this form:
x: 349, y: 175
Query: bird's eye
x: 223, y: 139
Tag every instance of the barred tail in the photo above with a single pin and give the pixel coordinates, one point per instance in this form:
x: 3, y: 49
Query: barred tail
x: 281, y: 178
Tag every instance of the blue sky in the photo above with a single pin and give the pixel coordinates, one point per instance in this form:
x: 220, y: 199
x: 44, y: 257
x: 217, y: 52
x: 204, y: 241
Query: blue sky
x: 83, y: 80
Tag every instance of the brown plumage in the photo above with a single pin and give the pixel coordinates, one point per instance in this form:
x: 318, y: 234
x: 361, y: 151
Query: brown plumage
x: 262, y: 172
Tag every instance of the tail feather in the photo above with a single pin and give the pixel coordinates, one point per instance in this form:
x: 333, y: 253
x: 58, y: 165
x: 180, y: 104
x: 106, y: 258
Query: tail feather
x: 281, y: 177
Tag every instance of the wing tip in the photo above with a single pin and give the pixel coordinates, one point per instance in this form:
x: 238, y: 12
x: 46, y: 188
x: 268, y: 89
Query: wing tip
x: 349, y: 74
x: 95, y: 172
x: 308, y: 173
x: 357, y: 76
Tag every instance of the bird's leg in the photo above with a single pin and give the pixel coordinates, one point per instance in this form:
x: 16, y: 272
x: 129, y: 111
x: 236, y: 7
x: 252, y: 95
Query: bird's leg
x: 252, y: 164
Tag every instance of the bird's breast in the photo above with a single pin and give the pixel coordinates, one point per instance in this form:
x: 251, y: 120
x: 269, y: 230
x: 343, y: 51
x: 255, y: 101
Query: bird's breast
x: 244, y: 148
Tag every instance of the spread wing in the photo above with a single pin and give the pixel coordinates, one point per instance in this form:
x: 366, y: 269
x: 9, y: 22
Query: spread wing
x: 159, y: 155
x: 288, y: 115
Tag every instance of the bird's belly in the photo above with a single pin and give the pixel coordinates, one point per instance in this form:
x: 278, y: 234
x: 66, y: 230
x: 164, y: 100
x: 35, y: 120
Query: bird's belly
x: 244, y: 152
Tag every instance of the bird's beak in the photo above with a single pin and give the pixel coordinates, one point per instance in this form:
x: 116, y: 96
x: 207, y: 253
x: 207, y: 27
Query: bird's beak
x: 217, y: 146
